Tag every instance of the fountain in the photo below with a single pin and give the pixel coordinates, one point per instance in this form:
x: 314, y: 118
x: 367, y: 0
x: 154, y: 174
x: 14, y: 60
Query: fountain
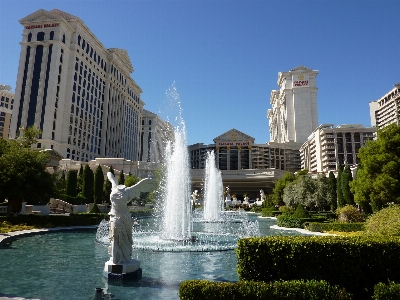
x: 212, y: 190
x: 176, y: 202
x: 178, y: 229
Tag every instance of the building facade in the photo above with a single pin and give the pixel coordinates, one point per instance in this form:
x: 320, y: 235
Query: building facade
x: 6, y: 107
x: 328, y: 146
x: 245, y: 167
x: 77, y: 92
x: 153, y: 137
x: 386, y: 110
x: 294, y: 113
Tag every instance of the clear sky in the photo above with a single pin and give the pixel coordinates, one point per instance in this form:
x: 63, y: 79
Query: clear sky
x: 224, y: 56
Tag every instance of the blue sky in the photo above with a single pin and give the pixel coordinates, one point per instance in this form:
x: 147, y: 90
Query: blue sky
x: 224, y: 56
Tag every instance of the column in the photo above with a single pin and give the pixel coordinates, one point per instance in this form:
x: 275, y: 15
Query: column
x: 42, y: 80
x: 228, y: 157
x: 25, y: 100
x: 239, y: 158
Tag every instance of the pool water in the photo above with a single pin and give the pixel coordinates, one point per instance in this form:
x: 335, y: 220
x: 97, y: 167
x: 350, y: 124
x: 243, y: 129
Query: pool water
x: 69, y: 265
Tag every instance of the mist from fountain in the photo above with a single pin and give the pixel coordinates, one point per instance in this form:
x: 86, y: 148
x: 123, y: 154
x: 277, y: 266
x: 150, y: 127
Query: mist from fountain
x: 213, y: 190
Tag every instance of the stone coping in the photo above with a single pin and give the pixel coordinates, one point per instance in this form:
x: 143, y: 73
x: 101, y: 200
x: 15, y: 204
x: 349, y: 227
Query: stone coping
x: 303, y: 231
x: 11, y: 236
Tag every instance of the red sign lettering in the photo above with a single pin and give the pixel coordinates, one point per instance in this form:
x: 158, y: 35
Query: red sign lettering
x: 300, y: 83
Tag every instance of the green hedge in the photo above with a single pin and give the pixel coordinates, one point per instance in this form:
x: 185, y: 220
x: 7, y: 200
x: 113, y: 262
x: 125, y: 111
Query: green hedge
x: 250, y: 290
x: 389, y: 291
x: 266, y: 212
x: 336, y: 226
x: 78, y: 200
x: 56, y: 221
x: 290, y: 221
x: 355, y: 263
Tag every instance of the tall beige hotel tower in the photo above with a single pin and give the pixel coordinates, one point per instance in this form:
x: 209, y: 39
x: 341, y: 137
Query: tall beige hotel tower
x: 294, y: 113
x: 77, y: 92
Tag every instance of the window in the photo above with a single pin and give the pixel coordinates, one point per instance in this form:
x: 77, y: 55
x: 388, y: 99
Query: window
x: 40, y: 36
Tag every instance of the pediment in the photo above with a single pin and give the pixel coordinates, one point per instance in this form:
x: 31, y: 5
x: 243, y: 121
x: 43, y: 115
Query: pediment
x: 42, y: 15
x: 233, y: 135
x: 301, y: 68
x: 123, y: 56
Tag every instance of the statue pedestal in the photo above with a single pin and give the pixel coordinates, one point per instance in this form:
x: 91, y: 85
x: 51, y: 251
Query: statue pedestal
x: 129, y: 270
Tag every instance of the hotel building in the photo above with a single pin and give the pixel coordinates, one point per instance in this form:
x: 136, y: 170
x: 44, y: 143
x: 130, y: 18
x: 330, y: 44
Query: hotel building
x: 77, y: 92
x: 153, y: 137
x: 386, y: 110
x: 245, y: 167
x: 294, y: 112
x: 6, y: 107
x: 328, y: 146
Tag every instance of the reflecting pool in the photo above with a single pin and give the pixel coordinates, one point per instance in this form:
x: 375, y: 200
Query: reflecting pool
x: 69, y: 265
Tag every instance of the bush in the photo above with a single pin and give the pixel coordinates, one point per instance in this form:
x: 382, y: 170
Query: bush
x: 290, y: 221
x: 78, y: 200
x: 385, y: 222
x: 270, y: 213
x: 342, y: 227
x: 95, y: 209
x: 282, y: 290
x: 300, y: 212
x: 355, y: 263
x: 349, y: 214
x: 387, y: 292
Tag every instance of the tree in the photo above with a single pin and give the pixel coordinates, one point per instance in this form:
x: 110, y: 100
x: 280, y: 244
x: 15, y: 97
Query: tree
x: 308, y: 192
x: 107, y: 187
x: 345, y: 181
x: 88, y: 184
x: 28, y: 136
x: 61, y: 183
x: 332, y: 195
x: 72, y: 179
x: 301, y: 191
x: 121, y: 178
x: 339, y: 193
x: 80, y: 180
x: 280, y: 184
x: 23, y: 176
x: 98, y: 185
x: 131, y: 180
x: 377, y: 181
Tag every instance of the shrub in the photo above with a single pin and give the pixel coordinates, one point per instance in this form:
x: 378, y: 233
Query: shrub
x: 95, y: 209
x: 355, y: 263
x: 266, y: 212
x: 336, y: 226
x: 389, y: 291
x: 282, y: 290
x: 384, y: 222
x: 300, y: 212
x: 285, y: 209
x: 349, y: 214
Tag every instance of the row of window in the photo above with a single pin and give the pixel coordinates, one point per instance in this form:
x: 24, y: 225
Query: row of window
x: 41, y: 36
x: 92, y: 53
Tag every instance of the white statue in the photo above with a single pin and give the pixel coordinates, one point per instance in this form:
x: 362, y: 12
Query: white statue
x: 262, y: 195
x: 228, y: 195
x: 120, y: 234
